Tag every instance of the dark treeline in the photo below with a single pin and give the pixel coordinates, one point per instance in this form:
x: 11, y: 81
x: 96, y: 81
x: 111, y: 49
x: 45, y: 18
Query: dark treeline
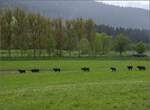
x: 23, y: 31
x: 135, y: 35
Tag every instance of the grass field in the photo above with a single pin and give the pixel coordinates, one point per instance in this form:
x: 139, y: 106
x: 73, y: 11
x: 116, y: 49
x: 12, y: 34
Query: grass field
x: 72, y: 89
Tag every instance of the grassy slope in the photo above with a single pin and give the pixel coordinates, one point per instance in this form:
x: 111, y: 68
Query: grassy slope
x: 72, y: 89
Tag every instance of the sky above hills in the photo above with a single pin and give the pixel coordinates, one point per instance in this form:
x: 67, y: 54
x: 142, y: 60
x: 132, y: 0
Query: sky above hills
x: 144, y: 4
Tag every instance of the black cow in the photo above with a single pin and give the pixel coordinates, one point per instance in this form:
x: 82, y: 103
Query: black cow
x: 56, y: 69
x: 113, y: 69
x: 35, y: 70
x: 141, y: 68
x: 85, y: 69
x: 130, y: 67
x: 21, y: 71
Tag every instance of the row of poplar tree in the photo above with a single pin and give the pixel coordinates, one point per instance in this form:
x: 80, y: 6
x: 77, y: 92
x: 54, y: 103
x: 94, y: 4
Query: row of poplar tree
x: 21, y: 30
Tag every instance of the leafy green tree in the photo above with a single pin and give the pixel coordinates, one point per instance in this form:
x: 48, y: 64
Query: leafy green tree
x: 36, y: 30
x: 80, y: 31
x: 70, y: 36
x: 3, y: 32
x: 0, y: 30
x: 121, y: 43
x: 32, y: 32
x: 102, y: 43
x: 59, y: 35
x: 140, y: 48
x: 50, y: 45
x: 6, y: 30
x: 20, y: 34
x: 105, y: 43
x: 84, y: 46
x: 90, y: 32
x: 97, y: 43
x: 41, y: 33
x: 50, y: 40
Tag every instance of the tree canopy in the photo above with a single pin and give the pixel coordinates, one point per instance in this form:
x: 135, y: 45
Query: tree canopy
x: 23, y: 31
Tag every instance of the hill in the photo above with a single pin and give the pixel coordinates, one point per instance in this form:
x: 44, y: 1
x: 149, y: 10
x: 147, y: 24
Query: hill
x: 101, y: 13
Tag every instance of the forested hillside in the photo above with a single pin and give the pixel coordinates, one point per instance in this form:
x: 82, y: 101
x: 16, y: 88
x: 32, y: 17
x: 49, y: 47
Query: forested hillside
x: 135, y: 35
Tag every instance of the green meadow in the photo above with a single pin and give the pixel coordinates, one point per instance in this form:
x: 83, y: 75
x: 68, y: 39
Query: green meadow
x: 73, y: 89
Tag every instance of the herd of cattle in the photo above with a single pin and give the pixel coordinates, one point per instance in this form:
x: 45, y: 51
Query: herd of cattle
x: 130, y: 68
x: 85, y: 69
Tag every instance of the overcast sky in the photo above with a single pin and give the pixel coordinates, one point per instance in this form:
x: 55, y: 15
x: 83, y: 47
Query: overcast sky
x: 128, y: 3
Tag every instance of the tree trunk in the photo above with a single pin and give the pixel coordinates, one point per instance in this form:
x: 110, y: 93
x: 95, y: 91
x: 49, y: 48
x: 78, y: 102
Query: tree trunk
x: 21, y: 53
x: 103, y: 50
x: 69, y: 53
x: 49, y: 53
x: 9, y: 52
x: 34, y: 52
x: 120, y: 53
x: 60, y: 52
x: 40, y: 52
x: 79, y: 54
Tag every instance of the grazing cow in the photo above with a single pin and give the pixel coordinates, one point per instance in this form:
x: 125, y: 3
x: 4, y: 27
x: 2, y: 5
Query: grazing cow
x: 85, y: 69
x: 141, y: 68
x: 22, y: 71
x: 56, y: 69
x: 130, y: 67
x: 35, y: 70
x: 113, y: 69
